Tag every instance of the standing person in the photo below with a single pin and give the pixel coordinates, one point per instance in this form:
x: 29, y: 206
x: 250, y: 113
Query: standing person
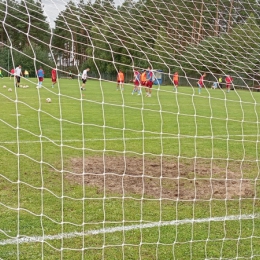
x: 40, y: 74
x: 228, y: 81
x: 220, y: 82
x: 143, y: 80
x: 120, y: 80
x: 149, y: 81
x: 18, y: 73
x: 1, y: 75
x: 26, y: 74
x: 136, y: 81
x: 84, y: 78
x: 201, y: 82
x: 176, y: 80
x: 12, y: 71
x: 53, y: 77
x: 70, y: 75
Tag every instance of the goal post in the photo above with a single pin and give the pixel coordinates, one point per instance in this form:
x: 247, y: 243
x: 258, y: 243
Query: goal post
x: 129, y: 129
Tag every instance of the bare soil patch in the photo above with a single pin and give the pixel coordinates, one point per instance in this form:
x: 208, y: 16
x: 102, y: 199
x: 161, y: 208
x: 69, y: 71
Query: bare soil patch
x: 153, y: 177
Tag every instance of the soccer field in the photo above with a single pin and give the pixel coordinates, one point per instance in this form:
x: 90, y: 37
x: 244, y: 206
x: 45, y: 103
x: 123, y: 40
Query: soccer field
x: 103, y: 174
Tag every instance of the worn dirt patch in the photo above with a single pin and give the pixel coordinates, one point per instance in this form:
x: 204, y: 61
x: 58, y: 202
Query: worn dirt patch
x: 164, y: 177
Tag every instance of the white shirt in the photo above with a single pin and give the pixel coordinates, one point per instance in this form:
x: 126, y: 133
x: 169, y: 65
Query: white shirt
x: 18, y: 71
x: 85, y: 74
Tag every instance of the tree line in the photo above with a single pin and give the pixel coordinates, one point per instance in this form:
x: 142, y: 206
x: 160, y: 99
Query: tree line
x: 181, y: 35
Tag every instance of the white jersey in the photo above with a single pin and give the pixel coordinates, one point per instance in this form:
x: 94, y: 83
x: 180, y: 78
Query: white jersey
x: 18, y: 72
x: 84, y: 74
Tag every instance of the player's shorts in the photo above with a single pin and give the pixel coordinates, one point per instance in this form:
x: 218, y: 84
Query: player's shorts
x: 149, y: 84
x: 137, y: 83
x: 176, y: 82
x: 84, y: 81
x: 18, y: 79
x: 120, y: 81
x: 228, y: 85
x: 54, y: 79
x: 41, y: 79
x: 143, y: 83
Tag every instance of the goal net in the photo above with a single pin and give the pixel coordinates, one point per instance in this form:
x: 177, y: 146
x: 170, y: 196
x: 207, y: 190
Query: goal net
x: 129, y: 129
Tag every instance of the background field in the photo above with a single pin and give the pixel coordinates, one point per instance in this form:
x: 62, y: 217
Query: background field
x: 180, y: 162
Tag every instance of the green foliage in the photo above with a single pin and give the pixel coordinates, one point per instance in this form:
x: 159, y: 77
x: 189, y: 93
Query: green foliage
x: 171, y: 36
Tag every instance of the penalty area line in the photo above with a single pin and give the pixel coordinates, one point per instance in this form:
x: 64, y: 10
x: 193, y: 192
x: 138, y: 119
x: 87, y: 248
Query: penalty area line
x: 33, y: 239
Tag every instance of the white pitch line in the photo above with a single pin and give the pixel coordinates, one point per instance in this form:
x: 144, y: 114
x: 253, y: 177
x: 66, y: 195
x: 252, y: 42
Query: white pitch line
x: 130, y: 138
x: 40, y: 239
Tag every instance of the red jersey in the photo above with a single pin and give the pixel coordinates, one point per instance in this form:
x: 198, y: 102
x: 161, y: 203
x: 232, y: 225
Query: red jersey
x: 228, y: 79
x: 53, y: 74
x: 201, y: 80
x: 137, y: 76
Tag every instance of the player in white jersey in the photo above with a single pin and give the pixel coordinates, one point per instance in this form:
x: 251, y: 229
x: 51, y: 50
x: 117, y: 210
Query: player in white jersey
x: 18, y: 73
x: 84, y: 78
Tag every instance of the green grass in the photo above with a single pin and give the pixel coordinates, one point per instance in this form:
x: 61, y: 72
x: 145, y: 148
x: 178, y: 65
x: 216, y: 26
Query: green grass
x: 37, y: 148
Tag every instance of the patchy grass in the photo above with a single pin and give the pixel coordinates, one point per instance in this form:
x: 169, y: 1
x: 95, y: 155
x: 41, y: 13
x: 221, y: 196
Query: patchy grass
x: 102, y: 158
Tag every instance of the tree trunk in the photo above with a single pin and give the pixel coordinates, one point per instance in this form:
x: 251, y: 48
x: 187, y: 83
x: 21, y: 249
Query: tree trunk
x: 217, y: 20
x: 230, y: 16
x: 200, y: 23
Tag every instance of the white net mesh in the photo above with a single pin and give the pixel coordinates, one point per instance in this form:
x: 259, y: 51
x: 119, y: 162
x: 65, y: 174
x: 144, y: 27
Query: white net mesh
x: 112, y: 167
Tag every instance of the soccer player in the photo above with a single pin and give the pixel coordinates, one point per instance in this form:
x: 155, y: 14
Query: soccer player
x: 228, y: 81
x: 18, y: 74
x: 136, y: 81
x: 120, y: 80
x: 214, y: 85
x: 149, y: 81
x: 70, y: 75
x: 40, y: 74
x: 12, y: 73
x: 1, y: 75
x: 201, y: 82
x: 176, y: 80
x: 143, y: 80
x: 53, y: 77
x: 84, y: 78
x: 26, y: 74
x: 220, y: 82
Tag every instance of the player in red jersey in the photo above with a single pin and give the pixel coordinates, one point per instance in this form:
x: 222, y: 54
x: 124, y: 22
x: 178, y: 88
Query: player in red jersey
x: 12, y: 73
x: 53, y: 77
x: 137, y: 82
x: 176, y: 80
x: 201, y: 82
x: 228, y: 81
